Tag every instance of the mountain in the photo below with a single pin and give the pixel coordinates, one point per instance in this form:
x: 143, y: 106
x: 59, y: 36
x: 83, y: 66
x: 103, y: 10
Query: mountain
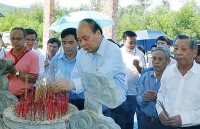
x: 7, y: 8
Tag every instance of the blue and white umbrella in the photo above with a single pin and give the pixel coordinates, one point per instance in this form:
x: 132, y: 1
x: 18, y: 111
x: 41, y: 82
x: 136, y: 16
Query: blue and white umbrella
x: 149, y: 34
x: 73, y: 19
x: 147, y: 38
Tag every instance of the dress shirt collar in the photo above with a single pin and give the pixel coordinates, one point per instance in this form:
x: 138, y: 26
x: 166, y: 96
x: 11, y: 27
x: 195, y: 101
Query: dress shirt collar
x: 134, y: 51
x: 152, y: 73
x: 194, y: 68
x: 63, y: 56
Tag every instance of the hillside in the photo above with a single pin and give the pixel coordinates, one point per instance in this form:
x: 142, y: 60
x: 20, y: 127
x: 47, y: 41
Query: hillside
x: 7, y: 8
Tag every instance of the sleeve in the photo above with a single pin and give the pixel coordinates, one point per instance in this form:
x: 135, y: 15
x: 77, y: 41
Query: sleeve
x: 76, y: 75
x: 34, y: 65
x: 161, y: 94
x: 113, y: 65
x: 51, y: 70
x: 139, y: 98
x: 41, y: 64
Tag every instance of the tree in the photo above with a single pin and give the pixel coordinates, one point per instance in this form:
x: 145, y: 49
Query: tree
x: 95, y: 5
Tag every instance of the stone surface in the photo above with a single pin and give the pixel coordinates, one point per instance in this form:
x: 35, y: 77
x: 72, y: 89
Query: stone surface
x: 6, y: 98
x: 86, y: 119
x: 100, y: 89
x: 13, y: 122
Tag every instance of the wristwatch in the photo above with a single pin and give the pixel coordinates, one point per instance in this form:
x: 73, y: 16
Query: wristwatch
x: 17, y: 73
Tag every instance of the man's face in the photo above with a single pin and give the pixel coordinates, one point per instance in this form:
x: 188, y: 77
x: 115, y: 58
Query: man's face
x: 159, y: 61
x: 152, y: 50
x: 88, y: 40
x: 183, y: 54
x: 69, y: 44
x: 130, y: 43
x: 30, y: 41
x: 161, y: 43
x: 52, y: 48
x: 17, y: 39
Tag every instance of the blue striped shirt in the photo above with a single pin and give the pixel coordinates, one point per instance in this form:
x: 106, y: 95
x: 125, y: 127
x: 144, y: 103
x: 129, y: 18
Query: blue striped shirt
x: 60, y: 67
x: 148, y: 81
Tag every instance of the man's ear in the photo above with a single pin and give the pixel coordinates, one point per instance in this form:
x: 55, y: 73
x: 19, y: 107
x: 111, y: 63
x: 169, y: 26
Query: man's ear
x: 98, y: 32
x: 168, y: 61
x: 195, y: 54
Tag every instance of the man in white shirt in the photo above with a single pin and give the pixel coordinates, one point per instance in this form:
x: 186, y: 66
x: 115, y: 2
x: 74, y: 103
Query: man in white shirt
x: 130, y: 52
x: 30, y: 40
x: 180, y: 88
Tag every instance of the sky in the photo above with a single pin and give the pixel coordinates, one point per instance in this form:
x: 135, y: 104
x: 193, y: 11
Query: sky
x: 175, y: 4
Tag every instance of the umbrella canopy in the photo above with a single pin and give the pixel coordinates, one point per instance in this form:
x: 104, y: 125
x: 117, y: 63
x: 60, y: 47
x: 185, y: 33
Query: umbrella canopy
x: 149, y: 34
x: 1, y: 15
x: 147, y: 38
x: 73, y: 19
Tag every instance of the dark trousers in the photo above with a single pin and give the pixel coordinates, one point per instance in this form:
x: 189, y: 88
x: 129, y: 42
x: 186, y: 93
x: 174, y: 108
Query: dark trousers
x: 123, y: 115
x: 148, y: 123
x: 79, y: 103
x: 191, y: 127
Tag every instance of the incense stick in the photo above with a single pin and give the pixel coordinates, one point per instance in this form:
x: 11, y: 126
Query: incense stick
x: 160, y: 103
x: 26, y: 86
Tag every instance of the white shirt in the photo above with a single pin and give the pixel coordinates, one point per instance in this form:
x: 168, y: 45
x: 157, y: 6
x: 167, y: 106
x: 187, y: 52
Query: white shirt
x: 41, y: 63
x: 132, y: 74
x: 2, y: 51
x: 181, y: 94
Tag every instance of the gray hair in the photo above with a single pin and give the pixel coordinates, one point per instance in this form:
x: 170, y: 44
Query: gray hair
x: 165, y: 50
x: 193, y: 42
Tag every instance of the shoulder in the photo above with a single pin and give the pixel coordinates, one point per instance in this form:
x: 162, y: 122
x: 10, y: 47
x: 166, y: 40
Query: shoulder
x: 144, y: 75
x: 139, y: 52
x: 30, y: 54
x: 146, y: 70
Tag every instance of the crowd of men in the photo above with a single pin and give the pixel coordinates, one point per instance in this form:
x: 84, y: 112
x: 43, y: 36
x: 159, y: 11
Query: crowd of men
x: 164, y: 92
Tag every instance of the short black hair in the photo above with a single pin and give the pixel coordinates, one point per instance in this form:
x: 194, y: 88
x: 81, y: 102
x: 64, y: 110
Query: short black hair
x: 19, y: 28
x: 54, y: 40
x: 69, y: 31
x: 128, y: 33
x: 153, y: 46
x: 165, y: 50
x: 193, y: 42
x: 31, y: 31
x: 93, y: 25
x: 0, y: 36
x: 164, y: 38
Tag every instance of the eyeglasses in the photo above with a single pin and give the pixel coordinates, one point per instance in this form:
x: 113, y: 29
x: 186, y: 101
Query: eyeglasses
x: 32, y: 40
x: 18, y: 39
